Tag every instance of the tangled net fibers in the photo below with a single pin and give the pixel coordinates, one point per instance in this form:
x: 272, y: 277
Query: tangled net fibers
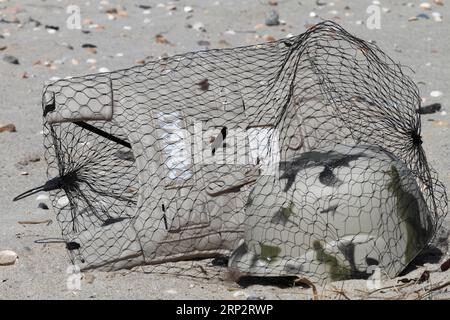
x: 297, y: 157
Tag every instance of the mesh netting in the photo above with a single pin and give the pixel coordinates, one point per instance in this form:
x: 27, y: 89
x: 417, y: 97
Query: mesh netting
x: 300, y: 157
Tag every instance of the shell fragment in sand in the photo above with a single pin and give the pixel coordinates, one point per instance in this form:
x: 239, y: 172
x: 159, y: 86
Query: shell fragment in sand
x: 7, y: 257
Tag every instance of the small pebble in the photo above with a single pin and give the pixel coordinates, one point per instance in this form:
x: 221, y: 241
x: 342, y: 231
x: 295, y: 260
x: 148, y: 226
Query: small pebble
x: 88, y: 278
x: 7, y: 257
x: 188, y: 9
x: 88, y: 45
x: 312, y: 14
x: 159, y: 38
x: 269, y: 38
x: 68, y: 46
x: 8, y: 128
x: 10, y: 59
x: 111, y: 11
x: 224, y: 43
x: 49, y: 27
x: 425, y: 6
x: 435, y: 94
x: 62, y: 202
x: 439, y: 2
x: 272, y: 18
x: 24, y: 173
x: 423, y: 16
x: 437, y: 16
x: 144, y: 6
x: 203, y: 43
x: 198, y: 26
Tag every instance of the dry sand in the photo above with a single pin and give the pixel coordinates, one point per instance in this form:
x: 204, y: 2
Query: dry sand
x: 41, y: 270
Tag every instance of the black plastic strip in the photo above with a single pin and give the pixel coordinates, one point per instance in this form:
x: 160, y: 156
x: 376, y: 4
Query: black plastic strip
x: 51, y: 184
x: 102, y: 133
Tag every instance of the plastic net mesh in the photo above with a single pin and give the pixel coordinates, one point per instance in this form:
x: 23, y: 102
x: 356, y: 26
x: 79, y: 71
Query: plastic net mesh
x: 297, y: 157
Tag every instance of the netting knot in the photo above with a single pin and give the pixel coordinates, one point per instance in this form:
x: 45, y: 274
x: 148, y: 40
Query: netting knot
x: 416, y: 138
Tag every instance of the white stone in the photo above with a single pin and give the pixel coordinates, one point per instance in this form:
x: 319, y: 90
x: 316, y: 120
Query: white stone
x: 7, y: 257
x: 435, y: 94
x: 437, y: 16
x: 103, y: 69
x: 312, y: 14
x: 188, y: 9
x: 198, y: 26
x: 62, y: 202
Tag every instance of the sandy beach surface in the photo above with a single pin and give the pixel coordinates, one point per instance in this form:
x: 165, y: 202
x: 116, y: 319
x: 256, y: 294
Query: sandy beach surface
x: 124, y: 34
